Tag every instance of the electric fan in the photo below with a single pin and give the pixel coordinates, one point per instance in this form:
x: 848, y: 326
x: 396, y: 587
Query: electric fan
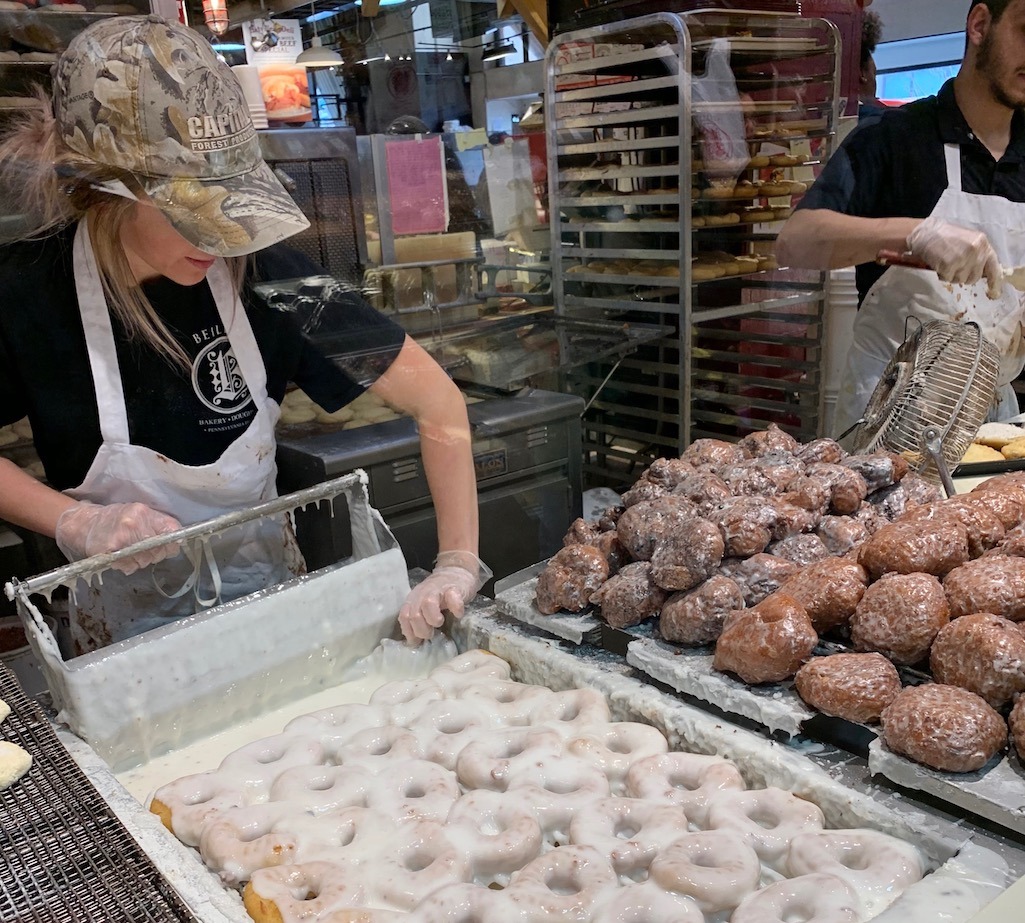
x: 931, y: 399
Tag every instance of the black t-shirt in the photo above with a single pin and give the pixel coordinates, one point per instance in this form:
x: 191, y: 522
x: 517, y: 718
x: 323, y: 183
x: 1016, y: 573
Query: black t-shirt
x: 191, y: 416
x: 892, y: 166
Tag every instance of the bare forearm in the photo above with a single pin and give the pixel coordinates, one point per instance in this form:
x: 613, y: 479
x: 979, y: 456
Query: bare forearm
x: 26, y: 502
x: 823, y: 239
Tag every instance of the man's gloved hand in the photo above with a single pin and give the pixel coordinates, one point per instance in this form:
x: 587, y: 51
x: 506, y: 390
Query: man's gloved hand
x: 88, y: 528
x: 456, y: 578
x: 957, y: 254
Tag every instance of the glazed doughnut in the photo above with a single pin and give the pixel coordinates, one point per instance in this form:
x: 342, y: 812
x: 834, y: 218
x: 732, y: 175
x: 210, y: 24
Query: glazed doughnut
x: 715, y: 452
x: 322, y: 789
x: 630, y: 597
x: 1013, y: 543
x: 565, y: 883
x: 689, y: 780
x: 257, y: 764
x: 847, y: 488
x: 294, y: 892
x: 879, y: 469
x: 703, y: 488
x: 811, y: 899
x: 568, y: 787
x: 771, y: 439
x: 613, y: 551
x: 995, y: 583
x: 767, y: 643
x: 334, y: 726
x: 476, y: 666
x: 375, y: 746
x: 581, y: 532
x: 841, y: 534
x: 716, y: 868
x: 856, y: 687
x: 698, y: 616
x: 498, y: 833
x: 513, y: 702
x: 982, y: 653
x: 867, y: 860
x: 803, y: 550
x: 765, y: 818
x: 829, y: 591
x: 570, y: 579
x: 420, y: 859
x: 498, y: 756
x: 944, y: 727
x: 899, y: 616
x: 810, y: 494
x: 746, y: 479
x: 445, y: 727
x: 413, y: 790
x: 821, y: 450
x: 458, y: 903
x: 985, y: 530
x: 747, y: 524
x: 688, y: 556
x: 1016, y: 725
x: 615, y: 747
x: 758, y: 576
x: 645, y: 902
x: 1008, y: 505
x: 642, y: 491
x: 933, y: 547
x: 668, y: 472
x: 631, y: 832
x: 186, y: 805
x: 646, y: 525
x: 891, y: 502
x: 405, y: 699
x: 241, y: 840
x: 792, y: 519
x: 570, y: 710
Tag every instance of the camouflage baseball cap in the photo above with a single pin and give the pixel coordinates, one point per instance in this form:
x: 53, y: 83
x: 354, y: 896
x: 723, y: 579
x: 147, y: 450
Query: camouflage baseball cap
x: 149, y: 96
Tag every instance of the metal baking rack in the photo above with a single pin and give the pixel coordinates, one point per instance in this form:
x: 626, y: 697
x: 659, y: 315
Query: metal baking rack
x: 67, y: 856
x: 996, y: 792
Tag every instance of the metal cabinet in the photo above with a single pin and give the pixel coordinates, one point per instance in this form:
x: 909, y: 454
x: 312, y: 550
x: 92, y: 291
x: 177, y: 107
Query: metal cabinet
x: 676, y: 143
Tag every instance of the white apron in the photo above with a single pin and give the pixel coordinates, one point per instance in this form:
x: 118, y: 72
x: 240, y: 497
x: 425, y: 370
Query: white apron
x: 244, y: 559
x: 900, y: 293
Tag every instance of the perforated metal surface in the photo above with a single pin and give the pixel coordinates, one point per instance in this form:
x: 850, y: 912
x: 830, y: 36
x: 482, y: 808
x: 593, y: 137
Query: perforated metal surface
x: 66, y: 857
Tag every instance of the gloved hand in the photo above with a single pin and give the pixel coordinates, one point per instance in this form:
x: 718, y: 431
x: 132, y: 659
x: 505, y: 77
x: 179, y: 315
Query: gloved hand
x: 88, y: 528
x: 957, y: 254
x: 456, y: 577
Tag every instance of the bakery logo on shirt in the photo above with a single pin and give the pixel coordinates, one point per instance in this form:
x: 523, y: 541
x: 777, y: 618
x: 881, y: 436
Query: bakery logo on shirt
x: 218, y: 380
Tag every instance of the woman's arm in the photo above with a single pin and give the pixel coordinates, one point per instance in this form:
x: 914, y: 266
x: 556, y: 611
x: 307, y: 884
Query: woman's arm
x: 417, y: 385
x: 26, y: 502
x: 818, y: 238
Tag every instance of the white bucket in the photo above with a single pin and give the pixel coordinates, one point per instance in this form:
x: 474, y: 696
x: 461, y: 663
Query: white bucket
x: 16, y: 654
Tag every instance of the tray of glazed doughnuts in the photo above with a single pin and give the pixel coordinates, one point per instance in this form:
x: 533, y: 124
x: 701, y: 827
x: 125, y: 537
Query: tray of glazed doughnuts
x: 783, y: 582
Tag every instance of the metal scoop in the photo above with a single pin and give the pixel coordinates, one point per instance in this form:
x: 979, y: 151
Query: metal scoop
x: 1013, y: 275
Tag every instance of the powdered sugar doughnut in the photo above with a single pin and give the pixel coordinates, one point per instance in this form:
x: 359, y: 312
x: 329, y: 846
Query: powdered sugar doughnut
x: 810, y: 899
x: 569, y: 786
x: 869, y: 861
x: 241, y: 840
x: 498, y: 834
x: 685, y: 779
x: 186, y: 805
x: 715, y: 868
x: 630, y: 831
x: 565, y: 883
x: 513, y: 702
x: 573, y: 708
x: 421, y: 860
x: 645, y: 902
x: 445, y: 728
x: 497, y: 757
x: 308, y: 890
x: 614, y: 748
x: 259, y: 763
x: 322, y: 789
x: 414, y: 790
x: 765, y: 818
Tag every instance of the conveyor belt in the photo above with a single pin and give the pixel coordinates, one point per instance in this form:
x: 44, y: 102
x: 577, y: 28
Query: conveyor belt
x: 66, y: 856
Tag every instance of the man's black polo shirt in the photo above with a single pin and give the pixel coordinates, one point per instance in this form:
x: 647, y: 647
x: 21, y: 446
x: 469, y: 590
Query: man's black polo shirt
x: 892, y: 166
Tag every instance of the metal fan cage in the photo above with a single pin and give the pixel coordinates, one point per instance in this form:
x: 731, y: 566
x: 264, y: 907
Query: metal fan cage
x: 943, y: 378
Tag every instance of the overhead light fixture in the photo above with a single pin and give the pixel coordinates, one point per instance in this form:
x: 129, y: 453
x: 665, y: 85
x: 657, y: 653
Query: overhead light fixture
x: 317, y: 55
x: 497, y: 51
x: 448, y: 57
x: 215, y: 15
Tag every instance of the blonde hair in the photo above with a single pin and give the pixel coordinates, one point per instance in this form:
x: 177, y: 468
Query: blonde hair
x: 51, y: 187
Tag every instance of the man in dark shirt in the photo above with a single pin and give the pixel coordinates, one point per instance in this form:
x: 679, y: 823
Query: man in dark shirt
x: 940, y: 180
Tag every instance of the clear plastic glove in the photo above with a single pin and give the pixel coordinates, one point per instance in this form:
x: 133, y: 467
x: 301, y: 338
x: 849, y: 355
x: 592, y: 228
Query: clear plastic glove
x: 455, y: 580
x: 88, y: 528
x: 957, y: 254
